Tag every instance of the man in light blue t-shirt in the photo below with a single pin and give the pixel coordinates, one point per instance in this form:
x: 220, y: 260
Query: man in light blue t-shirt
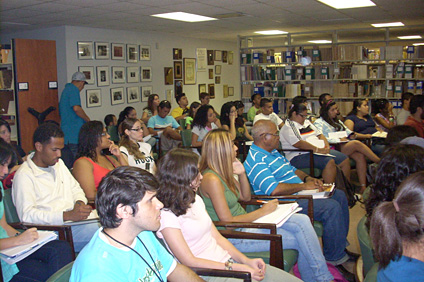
x: 126, y: 249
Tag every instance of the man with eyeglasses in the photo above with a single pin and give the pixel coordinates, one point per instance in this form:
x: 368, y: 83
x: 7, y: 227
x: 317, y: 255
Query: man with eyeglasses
x: 270, y: 173
x: 268, y: 113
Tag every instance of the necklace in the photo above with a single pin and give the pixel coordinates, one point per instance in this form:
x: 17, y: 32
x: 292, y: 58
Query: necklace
x: 154, y: 264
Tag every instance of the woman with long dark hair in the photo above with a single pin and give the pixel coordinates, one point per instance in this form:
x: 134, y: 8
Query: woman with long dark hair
x: 151, y: 109
x: 204, y: 121
x: 328, y: 122
x: 191, y: 114
x: 233, y: 123
x: 91, y: 164
x: 398, y: 235
x: 384, y: 116
x: 188, y: 230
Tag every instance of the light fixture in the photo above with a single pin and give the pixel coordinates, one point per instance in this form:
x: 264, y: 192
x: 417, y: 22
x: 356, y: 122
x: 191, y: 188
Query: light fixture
x: 347, y: 4
x: 410, y: 37
x: 320, y: 41
x: 388, y: 24
x: 418, y: 44
x: 184, y: 17
x: 271, y: 32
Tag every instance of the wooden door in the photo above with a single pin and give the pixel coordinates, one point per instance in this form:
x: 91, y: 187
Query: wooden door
x: 35, y: 63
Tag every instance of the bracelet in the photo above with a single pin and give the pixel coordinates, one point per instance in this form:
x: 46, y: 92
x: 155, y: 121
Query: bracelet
x: 304, y: 179
x: 229, y: 264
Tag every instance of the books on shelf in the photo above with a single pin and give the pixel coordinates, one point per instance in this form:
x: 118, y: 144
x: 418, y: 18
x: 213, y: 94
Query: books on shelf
x: 328, y: 191
x: 280, y: 215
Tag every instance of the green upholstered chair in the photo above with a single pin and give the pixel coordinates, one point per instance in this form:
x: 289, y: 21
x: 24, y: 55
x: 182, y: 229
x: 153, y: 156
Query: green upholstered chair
x: 372, y: 274
x: 186, y: 137
x: 366, y: 246
x: 63, y: 274
x: 182, y: 123
x: 112, y: 130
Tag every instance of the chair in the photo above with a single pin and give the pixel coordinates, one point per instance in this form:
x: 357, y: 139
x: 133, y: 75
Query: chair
x: 12, y: 218
x: 63, y: 274
x: 366, y: 246
x: 112, y: 130
x: 186, y: 138
x: 372, y: 274
x: 182, y: 123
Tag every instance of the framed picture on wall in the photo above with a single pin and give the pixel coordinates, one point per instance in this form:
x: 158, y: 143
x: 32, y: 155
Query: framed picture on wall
x: 189, y: 71
x: 145, y: 92
x: 210, y: 57
x: 117, y: 95
x: 85, y: 50
x: 217, y: 79
x: 102, y: 50
x: 230, y: 91
x: 118, y: 75
x: 177, y: 53
x: 103, y: 76
x: 218, y: 69
x: 89, y: 74
x: 178, y: 87
x: 230, y: 57
x: 211, y: 90
x: 133, y: 94
x: 210, y: 73
x: 178, y: 70
x: 224, y: 56
x: 225, y: 90
x: 218, y: 55
x: 94, y: 98
x: 169, y: 76
x: 202, y: 88
x: 118, y: 51
x: 132, y: 53
x: 133, y: 74
x: 146, y: 74
x: 144, y: 53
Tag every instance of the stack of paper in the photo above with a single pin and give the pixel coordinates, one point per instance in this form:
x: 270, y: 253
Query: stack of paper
x: 316, y: 194
x: 280, y: 215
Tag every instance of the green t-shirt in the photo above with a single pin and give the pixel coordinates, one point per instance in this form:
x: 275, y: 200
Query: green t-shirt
x: 252, y: 113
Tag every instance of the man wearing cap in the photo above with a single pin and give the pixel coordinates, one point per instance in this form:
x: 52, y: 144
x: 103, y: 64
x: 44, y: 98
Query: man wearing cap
x: 71, y: 113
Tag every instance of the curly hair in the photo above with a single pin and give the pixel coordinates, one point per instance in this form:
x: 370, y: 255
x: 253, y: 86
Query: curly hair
x: 225, y: 113
x: 89, y: 138
x: 323, y: 112
x: 201, y: 117
x: 131, y: 146
x: 396, y: 164
x: 175, y: 173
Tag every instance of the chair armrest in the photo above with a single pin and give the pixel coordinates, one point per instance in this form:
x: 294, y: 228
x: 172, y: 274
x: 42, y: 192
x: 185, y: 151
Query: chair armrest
x: 246, y: 276
x: 227, y: 224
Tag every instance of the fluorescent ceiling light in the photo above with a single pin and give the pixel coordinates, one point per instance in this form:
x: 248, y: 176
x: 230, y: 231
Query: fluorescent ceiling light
x: 184, y: 17
x: 347, y: 4
x: 388, y: 24
x: 418, y: 44
x: 320, y: 41
x: 271, y: 32
x: 410, y: 37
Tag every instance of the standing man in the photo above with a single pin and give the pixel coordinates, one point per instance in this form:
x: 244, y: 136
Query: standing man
x: 72, y: 115
x: 125, y: 248
x: 416, y: 119
x: 182, y: 111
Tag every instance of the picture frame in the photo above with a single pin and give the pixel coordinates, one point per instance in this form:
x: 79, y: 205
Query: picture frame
x: 118, y: 51
x: 102, y: 50
x: 218, y: 55
x: 144, y: 53
x: 146, y: 74
x: 118, y: 74
x: 178, y: 70
x: 177, y: 53
x: 189, y: 71
x: 89, y: 74
x: 103, y: 76
x: 117, y: 96
x: 230, y: 57
x: 224, y: 56
x: 168, y: 75
x: 178, y: 87
x: 133, y: 74
x: 94, y: 98
x: 133, y: 94
x: 211, y: 90
x: 217, y: 79
x: 146, y: 91
x: 225, y: 90
x: 230, y: 91
x: 202, y: 88
x: 217, y: 69
x: 210, y: 57
x: 85, y: 50
x: 168, y: 94
x: 210, y: 73
x: 132, y: 53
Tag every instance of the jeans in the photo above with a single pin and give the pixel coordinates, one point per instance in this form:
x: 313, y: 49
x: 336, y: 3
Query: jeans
x: 333, y: 213
x: 320, y: 162
x: 43, y: 263
x: 298, y: 234
x: 83, y: 233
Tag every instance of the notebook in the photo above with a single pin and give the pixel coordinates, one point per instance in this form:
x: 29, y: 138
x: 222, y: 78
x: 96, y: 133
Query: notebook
x: 280, y: 215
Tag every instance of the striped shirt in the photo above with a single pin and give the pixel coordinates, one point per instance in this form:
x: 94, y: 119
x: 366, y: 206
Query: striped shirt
x: 265, y: 170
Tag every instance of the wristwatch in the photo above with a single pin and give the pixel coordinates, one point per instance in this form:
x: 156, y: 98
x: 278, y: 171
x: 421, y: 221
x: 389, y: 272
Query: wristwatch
x: 229, y: 264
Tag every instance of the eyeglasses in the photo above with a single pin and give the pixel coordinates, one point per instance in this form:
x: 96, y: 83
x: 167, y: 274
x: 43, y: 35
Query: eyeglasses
x: 103, y: 134
x: 304, y: 116
x: 136, y: 129
x: 272, y: 134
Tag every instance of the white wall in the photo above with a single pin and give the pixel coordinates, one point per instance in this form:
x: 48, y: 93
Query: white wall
x: 161, y: 56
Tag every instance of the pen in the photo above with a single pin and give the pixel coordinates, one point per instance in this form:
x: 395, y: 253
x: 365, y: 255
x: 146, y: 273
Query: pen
x: 262, y: 202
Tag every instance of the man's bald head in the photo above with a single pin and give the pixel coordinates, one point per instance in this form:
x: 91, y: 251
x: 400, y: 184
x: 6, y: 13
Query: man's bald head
x: 260, y: 127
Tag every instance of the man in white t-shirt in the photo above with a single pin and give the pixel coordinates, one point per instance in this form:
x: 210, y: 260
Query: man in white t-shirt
x: 268, y: 113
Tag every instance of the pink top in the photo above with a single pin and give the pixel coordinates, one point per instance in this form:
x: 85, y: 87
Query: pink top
x: 98, y: 171
x: 196, y: 227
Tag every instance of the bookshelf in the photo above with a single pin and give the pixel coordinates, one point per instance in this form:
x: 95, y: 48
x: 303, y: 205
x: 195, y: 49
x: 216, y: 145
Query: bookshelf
x: 378, y: 65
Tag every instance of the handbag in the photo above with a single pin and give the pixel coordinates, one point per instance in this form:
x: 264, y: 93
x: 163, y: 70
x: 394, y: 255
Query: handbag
x: 344, y: 184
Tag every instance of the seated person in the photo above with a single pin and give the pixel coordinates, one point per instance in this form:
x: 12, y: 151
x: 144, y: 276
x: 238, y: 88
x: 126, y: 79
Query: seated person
x: 151, y: 109
x: 188, y: 230
x: 204, y: 121
x: 240, y: 109
x: 398, y: 133
x: 256, y: 107
x: 384, y: 116
x: 110, y: 120
x: 125, y: 249
x: 45, y: 192
x: 204, y: 98
x: 324, y: 98
x: 328, y: 122
x: 137, y: 152
x: 130, y: 112
x: 112, y: 127
x: 303, y: 100
x: 397, y: 233
x: 228, y: 118
x: 40, y: 265
x: 270, y: 173
x: 300, y: 133
x: 416, y: 119
x: 182, y: 111
x: 242, y: 133
x: 91, y: 164
x: 165, y: 127
x: 267, y: 113
x: 404, y: 112
x: 191, y: 114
